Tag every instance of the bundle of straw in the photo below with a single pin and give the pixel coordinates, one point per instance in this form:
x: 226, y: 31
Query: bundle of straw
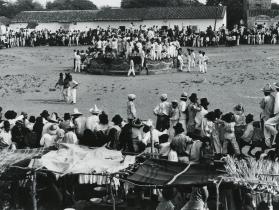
x: 261, y: 175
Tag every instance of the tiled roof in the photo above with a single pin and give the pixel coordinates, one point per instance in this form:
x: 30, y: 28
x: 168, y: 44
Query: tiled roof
x: 134, y: 14
x: 268, y: 12
x: 156, y: 13
x: 4, y: 20
x: 66, y: 16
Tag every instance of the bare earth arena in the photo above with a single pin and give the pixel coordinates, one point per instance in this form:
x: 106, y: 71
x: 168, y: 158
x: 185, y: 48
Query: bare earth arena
x: 235, y: 75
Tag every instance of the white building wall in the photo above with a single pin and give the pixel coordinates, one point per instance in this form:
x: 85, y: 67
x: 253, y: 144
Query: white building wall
x: 17, y: 26
x: 201, y: 24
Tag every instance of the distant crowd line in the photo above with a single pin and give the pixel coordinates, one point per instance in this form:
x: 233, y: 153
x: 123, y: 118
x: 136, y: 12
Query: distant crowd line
x: 184, y: 36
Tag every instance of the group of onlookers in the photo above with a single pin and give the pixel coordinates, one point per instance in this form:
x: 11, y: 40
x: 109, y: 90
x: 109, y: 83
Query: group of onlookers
x: 159, y: 41
x: 185, y: 130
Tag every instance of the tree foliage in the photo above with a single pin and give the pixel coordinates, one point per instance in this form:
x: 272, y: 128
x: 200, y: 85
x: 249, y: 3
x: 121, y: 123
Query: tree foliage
x: 274, y: 6
x: 157, y: 3
x: 9, y: 9
x: 234, y: 10
x: 70, y: 5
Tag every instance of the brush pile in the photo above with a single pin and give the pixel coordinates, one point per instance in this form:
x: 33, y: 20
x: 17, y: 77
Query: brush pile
x: 256, y: 175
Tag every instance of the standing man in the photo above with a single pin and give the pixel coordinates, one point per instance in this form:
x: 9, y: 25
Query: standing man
x: 73, y: 90
x: 131, y: 108
x: 75, y: 54
x: 200, y: 61
x: 182, y: 109
x: 162, y: 111
x: 78, y: 62
x: 60, y: 84
x: 193, y: 59
x: 189, y: 58
x: 204, y: 62
x: 93, y: 120
x: 267, y: 104
x: 270, y: 129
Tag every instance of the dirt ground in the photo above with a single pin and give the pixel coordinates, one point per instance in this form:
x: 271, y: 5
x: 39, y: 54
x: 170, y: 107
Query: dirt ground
x: 235, y: 75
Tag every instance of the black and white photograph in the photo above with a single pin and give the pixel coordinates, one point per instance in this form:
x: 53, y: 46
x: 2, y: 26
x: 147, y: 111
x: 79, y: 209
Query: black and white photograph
x: 139, y: 104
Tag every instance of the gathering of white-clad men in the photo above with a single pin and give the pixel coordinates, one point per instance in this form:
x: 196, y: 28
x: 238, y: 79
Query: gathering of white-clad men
x: 170, y: 105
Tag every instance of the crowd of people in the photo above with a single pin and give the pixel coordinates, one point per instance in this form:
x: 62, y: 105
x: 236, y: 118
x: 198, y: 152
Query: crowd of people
x: 160, y: 41
x: 185, y: 130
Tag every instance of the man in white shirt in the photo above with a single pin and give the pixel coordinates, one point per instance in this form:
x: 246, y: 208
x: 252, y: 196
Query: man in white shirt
x: 200, y: 114
x: 204, y: 62
x: 78, y: 62
x: 93, y: 120
x: 73, y: 89
x: 162, y: 111
x: 182, y: 109
x: 200, y: 61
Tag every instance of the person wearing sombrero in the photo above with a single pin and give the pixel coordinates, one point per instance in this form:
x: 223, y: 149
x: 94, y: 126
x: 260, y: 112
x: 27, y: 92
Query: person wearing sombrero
x: 49, y: 138
x: 131, y: 108
x: 266, y: 104
x: 181, y: 144
x: 162, y: 111
x: 93, y: 120
x: 191, y: 111
x: 79, y: 121
x: 270, y: 130
x: 136, y: 144
x: 182, y: 109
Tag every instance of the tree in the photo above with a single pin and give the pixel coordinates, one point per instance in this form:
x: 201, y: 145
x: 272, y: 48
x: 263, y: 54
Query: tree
x: 9, y: 9
x: 157, y: 3
x: 274, y: 6
x: 234, y: 10
x: 71, y: 5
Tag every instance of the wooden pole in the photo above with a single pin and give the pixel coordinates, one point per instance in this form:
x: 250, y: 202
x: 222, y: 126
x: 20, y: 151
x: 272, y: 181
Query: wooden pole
x: 112, y: 195
x: 34, y: 191
x: 218, y: 193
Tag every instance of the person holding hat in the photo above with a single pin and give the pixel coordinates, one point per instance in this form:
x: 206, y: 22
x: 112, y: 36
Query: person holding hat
x: 162, y: 111
x: 270, y: 125
x: 181, y: 144
x: 93, y: 120
x: 182, y: 110
x: 131, y: 108
x: 267, y: 104
x: 201, y: 113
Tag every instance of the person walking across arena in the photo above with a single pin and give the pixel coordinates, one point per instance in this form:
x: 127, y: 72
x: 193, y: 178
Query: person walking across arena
x: 132, y: 68
x: 60, y: 85
x: 73, y: 90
